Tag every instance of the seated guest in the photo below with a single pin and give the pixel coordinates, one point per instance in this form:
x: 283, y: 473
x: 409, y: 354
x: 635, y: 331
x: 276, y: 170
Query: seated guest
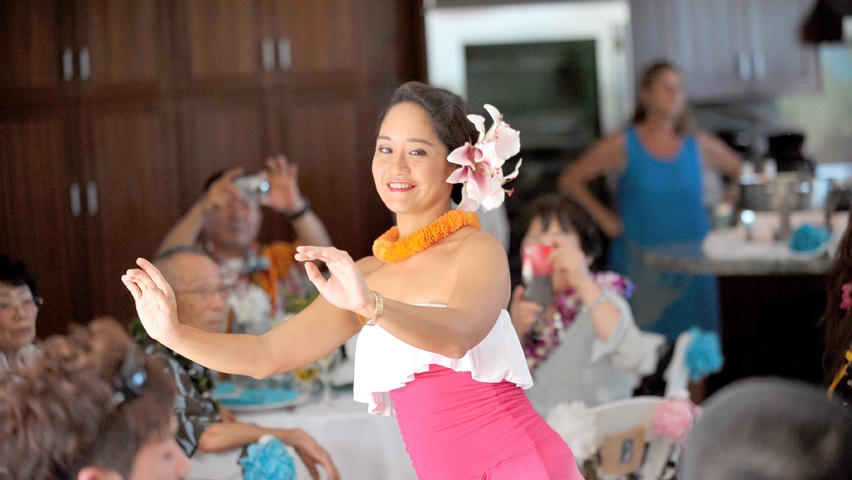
x: 204, y: 424
x: 19, y: 304
x: 579, y: 336
x: 769, y: 429
x: 226, y: 222
x: 92, y: 406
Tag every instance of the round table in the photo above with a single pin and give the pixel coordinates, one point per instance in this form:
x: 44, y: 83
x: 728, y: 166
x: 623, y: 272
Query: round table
x: 362, y: 446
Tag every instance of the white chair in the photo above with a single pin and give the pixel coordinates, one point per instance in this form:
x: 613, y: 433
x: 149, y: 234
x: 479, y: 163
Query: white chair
x: 675, y: 373
x: 626, y: 440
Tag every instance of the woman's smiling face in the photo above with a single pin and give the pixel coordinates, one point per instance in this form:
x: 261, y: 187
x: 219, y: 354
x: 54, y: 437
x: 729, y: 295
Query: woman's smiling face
x: 410, y: 166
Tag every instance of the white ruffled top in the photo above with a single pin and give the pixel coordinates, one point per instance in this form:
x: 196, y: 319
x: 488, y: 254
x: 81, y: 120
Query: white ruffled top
x: 384, y: 362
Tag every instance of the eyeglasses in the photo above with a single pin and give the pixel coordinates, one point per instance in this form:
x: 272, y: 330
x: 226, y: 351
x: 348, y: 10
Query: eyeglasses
x: 132, y: 378
x: 223, y: 291
x: 26, y: 304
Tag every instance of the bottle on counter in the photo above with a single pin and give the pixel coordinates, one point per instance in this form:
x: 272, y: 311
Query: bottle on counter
x: 770, y: 169
x: 747, y: 173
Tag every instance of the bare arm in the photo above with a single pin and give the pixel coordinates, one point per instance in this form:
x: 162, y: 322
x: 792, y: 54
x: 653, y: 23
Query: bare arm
x: 570, y: 270
x: 479, y: 272
x: 310, y: 230
x: 523, y: 312
x: 282, y: 348
x: 188, y: 228
x: 233, y: 434
x: 719, y: 155
x: 603, y: 158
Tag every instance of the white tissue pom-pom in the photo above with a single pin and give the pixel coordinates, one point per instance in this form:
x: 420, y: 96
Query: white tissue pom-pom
x: 577, y: 427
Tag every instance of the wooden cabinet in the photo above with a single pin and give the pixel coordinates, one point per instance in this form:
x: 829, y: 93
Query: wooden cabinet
x: 727, y: 49
x: 91, y: 155
x: 320, y: 132
x: 35, y: 202
x: 31, y: 43
x: 782, y: 63
x: 118, y: 44
x: 269, y: 76
x: 82, y: 45
x: 130, y: 184
x: 250, y: 42
x: 113, y: 113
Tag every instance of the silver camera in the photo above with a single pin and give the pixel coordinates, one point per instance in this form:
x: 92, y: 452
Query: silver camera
x: 252, y: 186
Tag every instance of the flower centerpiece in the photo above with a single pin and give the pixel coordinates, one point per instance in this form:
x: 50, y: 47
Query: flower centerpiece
x: 254, y: 311
x: 251, y: 309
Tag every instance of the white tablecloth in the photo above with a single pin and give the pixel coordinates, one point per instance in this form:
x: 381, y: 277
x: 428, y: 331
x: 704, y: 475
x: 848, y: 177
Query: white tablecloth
x: 362, y: 446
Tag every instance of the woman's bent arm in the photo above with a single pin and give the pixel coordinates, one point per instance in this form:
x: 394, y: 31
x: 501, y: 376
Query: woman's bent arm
x: 311, y: 334
x: 603, y: 158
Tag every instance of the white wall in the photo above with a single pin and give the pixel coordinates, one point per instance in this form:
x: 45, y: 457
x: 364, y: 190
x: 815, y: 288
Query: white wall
x: 448, y: 30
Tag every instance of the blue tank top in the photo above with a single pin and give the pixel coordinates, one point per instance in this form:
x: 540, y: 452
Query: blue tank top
x: 659, y: 201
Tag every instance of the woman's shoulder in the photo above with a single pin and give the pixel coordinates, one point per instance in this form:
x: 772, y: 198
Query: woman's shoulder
x: 616, y: 139
x: 473, y: 239
x: 607, y: 151
x: 368, y: 264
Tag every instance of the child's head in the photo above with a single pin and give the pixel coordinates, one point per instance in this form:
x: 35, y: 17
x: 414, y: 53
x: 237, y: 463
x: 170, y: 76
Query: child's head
x: 554, y: 213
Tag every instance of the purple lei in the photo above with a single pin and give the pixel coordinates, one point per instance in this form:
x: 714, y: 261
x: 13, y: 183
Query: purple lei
x: 546, y: 333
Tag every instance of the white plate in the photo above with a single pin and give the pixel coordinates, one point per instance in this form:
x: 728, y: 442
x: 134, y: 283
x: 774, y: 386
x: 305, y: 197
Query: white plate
x: 302, y: 398
x: 233, y: 392
x: 810, y: 254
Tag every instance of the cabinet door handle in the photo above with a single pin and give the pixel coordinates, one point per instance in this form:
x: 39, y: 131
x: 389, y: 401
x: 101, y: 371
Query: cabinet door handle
x: 74, y: 190
x: 744, y: 66
x: 92, y: 198
x: 85, y: 69
x: 267, y: 53
x: 67, y: 64
x: 285, y: 54
x: 759, y: 62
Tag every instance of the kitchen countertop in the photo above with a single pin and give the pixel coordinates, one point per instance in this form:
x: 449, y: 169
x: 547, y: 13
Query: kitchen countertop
x: 690, y: 258
x: 727, y: 252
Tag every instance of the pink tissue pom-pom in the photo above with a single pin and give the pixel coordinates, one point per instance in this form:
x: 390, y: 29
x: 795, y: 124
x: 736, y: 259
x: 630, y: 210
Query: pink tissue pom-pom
x: 673, y: 419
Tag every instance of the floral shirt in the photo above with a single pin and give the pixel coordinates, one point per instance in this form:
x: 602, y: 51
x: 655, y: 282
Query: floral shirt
x: 194, y: 406
x: 570, y: 362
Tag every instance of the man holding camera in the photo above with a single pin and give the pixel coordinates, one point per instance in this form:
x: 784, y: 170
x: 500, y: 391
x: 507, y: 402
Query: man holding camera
x: 226, y: 220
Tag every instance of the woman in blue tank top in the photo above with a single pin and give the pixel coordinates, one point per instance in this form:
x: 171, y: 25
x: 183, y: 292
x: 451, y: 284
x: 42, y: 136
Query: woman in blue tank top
x: 656, y: 165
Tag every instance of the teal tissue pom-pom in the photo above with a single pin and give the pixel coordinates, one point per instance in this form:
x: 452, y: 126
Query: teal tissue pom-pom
x: 268, y: 460
x: 704, y: 354
x: 808, y: 238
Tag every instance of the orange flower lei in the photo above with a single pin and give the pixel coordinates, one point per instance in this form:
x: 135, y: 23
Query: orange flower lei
x: 390, y: 248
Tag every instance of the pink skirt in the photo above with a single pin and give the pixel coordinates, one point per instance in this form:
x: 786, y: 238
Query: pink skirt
x: 455, y: 427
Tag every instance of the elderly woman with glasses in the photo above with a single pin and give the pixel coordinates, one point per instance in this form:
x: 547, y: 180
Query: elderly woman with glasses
x: 18, y: 311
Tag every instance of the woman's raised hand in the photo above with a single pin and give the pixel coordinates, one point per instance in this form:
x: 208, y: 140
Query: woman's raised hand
x: 155, y: 300
x: 346, y: 287
x: 222, y: 192
x: 570, y: 263
x: 283, y: 176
